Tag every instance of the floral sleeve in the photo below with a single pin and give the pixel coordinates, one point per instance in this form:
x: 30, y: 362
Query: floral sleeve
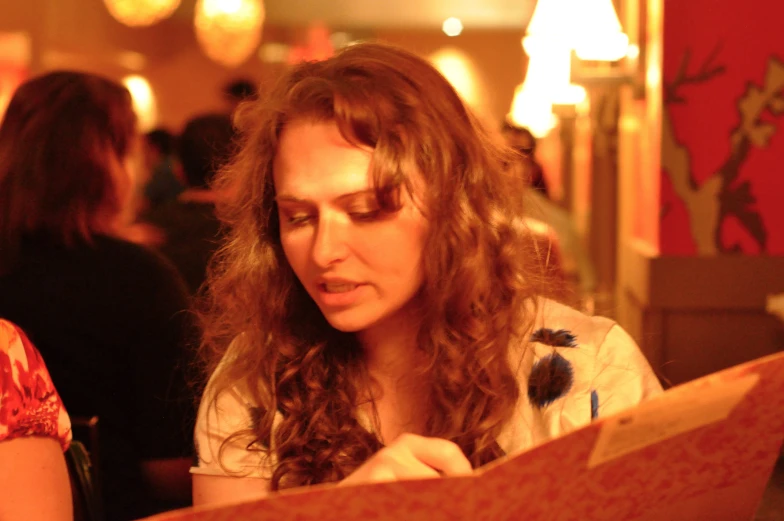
x: 29, y: 403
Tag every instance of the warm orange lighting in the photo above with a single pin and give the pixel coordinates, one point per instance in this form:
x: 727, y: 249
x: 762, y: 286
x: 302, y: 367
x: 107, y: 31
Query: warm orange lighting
x: 452, y: 26
x: 144, y: 104
x: 600, y: 37
x: 229, y: 31
x: 139, y: 13
x: 590, y: 27
x: 532, y: 105
x: 15, y: 53
x: 458, y: 69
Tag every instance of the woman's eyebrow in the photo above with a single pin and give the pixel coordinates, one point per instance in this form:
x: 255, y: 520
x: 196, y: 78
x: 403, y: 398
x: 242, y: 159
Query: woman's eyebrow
x: 299, y: 200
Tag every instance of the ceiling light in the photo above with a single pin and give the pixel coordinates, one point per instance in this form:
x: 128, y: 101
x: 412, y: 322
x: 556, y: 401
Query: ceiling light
x: 452, y: 26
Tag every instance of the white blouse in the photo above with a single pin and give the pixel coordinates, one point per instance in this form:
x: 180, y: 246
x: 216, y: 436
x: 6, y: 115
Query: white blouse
x: 574, y: 369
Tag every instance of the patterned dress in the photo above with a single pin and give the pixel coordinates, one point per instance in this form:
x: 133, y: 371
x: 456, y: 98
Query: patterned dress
x: 29, y: 403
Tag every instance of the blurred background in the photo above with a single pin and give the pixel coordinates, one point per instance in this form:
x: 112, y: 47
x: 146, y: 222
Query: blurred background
x: 657, y: 126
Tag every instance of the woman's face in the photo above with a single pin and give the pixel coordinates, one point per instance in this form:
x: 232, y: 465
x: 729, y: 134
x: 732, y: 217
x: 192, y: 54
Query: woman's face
x: 361, y: 266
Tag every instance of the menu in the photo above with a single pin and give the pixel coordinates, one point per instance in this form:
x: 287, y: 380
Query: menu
x: 703, y: 450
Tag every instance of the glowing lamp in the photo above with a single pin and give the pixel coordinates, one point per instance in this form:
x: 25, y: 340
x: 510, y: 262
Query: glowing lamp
x: 144, y: 104
x: 139, y: 13
x: 229, y: 31
x: 590, y: 27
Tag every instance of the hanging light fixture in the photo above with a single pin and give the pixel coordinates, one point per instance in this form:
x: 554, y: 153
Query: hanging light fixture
x: 229, y: 31
x: 140, y: 13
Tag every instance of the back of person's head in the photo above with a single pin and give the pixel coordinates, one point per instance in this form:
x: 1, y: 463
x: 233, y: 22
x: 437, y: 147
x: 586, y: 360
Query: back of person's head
x: 63, y: 142
x: 519, y: 138
x: 204, y: 145
x: 523, y: 141
x: 475, y: 284
x: 239, y: 89
x: 161, y: 140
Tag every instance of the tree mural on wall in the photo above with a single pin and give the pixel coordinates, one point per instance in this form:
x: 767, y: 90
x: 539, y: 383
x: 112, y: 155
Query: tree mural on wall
x: 710, y: 203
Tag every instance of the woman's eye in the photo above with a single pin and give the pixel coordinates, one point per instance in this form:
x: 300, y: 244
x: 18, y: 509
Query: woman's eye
x: 299, y: 219
x: 365, y: 216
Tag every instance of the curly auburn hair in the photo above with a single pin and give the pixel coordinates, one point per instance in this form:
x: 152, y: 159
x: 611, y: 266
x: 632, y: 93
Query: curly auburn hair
x: 478, y: 285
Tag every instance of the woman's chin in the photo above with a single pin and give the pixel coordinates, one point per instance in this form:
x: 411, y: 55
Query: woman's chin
x: 346, y: 324
x: 352, y: 320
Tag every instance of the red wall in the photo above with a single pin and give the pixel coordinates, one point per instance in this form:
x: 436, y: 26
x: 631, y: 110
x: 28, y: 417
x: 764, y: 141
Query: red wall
x: 716, y: 53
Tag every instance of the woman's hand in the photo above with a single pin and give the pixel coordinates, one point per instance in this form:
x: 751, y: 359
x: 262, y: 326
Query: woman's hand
x: 412, y: 457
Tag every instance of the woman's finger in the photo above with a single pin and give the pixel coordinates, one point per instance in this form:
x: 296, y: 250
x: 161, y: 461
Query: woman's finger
x: 442, y: 455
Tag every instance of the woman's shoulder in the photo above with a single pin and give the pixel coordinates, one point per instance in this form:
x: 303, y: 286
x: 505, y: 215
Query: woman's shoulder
x: 593, y: 341
x: 29, y: 403
x: 132, y: 252
x: 572, y: 369
x: 140, y: 266
x: 224, y: 437
x: 560, y: 326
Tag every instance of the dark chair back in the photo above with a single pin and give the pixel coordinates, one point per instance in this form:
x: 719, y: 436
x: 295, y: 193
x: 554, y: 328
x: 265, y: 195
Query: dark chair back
x: 83, y: 470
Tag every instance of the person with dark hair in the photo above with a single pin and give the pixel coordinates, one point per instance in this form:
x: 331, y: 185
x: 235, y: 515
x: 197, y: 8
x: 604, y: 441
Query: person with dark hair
x: 107, y: 314
x: 205, y: 144
x: 163, y: 184
x: 161, y: 140
x: 523, y: 141
x: 237, y: 91
x: 191, y: 229
x: 575, y: 261
x: 374, y: 311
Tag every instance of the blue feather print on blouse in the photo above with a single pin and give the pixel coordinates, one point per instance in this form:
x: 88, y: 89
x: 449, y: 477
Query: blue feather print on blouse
x: 554, y: 338
x: 551, y: 377
x: 594, y: 404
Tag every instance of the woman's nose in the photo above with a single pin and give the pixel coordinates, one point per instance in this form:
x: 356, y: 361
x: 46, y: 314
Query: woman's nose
x: 329, y: 245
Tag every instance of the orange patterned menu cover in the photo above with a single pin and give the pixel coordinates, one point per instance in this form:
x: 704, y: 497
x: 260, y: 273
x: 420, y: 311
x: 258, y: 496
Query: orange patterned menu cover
x: 700, y: 451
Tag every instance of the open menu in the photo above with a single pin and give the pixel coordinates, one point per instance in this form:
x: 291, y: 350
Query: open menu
x: 701, y: 451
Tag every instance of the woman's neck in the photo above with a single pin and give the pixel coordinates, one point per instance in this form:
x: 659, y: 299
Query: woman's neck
x: 393, y: 360
x: 391, y: 351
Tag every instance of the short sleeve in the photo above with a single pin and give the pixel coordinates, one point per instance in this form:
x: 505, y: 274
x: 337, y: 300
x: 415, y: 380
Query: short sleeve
x: 29, y: 403
x: 223, y: 414
x: 623, y: 376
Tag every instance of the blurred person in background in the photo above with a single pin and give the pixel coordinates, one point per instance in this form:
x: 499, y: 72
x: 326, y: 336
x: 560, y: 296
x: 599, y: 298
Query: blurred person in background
x: 34, y: 432
x: 106, y: 313
x: 524, y: 143
x: 164, y: 183
x: 189, y: 225
x: 574, y: 258
x: 236, y: 91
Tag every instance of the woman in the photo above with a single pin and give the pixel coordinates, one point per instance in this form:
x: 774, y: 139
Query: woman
x: 106, y: 313
x: 374, y: 311
x: 34, y: 432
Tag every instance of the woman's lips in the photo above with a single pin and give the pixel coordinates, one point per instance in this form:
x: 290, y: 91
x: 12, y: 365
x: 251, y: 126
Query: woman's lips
x: 338, y: 294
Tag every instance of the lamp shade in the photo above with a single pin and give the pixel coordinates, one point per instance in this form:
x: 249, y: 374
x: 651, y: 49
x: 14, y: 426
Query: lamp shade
x: 139, y: 13
x: 229, y: 31
x: 590, y: 27
x: 600, y: 36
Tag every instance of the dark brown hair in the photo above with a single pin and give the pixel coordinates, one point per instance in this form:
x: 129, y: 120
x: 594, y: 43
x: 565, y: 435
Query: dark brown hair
x: 477, y: 282
x: 59, y: 136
